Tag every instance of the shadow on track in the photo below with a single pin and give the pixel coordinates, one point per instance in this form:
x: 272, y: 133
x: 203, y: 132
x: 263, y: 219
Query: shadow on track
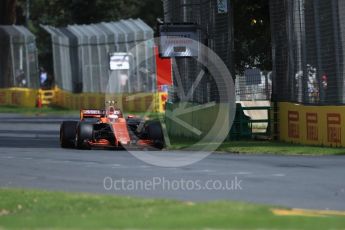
x: 29, y: 142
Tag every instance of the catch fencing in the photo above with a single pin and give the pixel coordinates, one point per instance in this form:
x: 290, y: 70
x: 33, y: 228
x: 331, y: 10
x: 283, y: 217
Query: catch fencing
x: 81, y: 57
x: 18, y: 58
x: 254, y: 89
x: 308, y: 51
x: 215, y: 30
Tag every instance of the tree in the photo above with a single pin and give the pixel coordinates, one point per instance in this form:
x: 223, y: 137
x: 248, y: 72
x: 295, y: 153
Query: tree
x: 251, y: 23
x: 252, y: 35
x: 8, y: 12
x: 150, y: 11
x: 65, y: 12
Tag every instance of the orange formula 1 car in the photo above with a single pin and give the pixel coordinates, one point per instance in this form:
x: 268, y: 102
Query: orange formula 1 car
x: 109, y: 129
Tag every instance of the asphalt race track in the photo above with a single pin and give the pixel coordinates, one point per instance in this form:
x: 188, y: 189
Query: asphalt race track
x: 30, y: 157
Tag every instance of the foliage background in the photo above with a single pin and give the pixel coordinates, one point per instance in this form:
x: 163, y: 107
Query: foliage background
x: 251, y: 23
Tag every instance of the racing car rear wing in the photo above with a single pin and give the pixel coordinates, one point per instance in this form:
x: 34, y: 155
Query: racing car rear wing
x: 92, y: 113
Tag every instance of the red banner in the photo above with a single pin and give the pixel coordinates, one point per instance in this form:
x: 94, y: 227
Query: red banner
x: 164, y: 70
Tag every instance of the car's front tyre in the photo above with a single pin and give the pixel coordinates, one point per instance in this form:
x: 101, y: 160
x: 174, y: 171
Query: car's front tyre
x: 155, y: 134
x: 84, y: 134
x: 68, y: 133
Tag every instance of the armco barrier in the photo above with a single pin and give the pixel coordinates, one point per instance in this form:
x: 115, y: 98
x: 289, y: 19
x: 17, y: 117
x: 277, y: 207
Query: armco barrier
x: 18, y: 97
x: 312, y: 125
x: 139, y: 102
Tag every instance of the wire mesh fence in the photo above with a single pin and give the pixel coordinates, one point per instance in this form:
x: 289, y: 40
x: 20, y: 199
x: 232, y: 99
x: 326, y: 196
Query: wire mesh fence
x: 18, y: 58
x: 81, y: 56
x: 308, y: 51
x: 215, y: 30
x: 254, y: 89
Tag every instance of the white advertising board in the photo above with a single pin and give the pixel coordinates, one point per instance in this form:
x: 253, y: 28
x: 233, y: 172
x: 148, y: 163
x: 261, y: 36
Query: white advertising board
x: 178, y: 41
x: 119, y: 61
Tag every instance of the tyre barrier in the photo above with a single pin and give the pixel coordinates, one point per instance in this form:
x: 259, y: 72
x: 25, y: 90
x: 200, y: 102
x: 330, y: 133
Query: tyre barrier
x: 139, y: 102
x: 18, y: 97
x: 24, y: 97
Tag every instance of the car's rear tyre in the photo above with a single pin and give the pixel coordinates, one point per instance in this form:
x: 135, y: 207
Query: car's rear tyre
x: 84, y: 134
x: 155, y: 134
x: 68, y: 133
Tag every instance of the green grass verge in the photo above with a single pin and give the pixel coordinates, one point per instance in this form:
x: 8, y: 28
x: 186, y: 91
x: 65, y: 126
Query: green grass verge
x: 24, y: 209
x: 264, y: 147
x: 37, y: 111
x: 281, y: 148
